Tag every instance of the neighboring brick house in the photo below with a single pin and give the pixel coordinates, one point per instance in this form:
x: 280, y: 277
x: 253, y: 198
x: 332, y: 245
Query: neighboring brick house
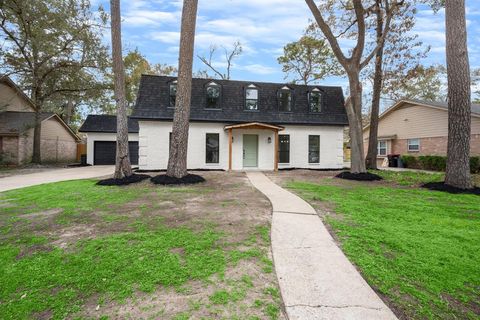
x: 17, y: 120
x: 418, y: 128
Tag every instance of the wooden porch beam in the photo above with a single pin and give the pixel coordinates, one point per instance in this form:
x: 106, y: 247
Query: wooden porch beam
x: 275, y: 165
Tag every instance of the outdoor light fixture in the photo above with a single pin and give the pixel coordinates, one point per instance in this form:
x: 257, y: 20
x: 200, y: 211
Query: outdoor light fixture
x: 269, y: 139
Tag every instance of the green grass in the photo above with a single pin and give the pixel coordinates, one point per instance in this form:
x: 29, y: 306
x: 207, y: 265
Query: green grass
x: 142, y: 255
x: 408, y: 178
x: 418, y: 247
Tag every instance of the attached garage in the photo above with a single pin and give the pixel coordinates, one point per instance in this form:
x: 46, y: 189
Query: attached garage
x: 101, y: 132
x: 104, y: 152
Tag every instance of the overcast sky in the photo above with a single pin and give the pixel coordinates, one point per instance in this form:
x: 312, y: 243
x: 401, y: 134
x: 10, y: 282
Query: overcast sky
x: 262, y: 26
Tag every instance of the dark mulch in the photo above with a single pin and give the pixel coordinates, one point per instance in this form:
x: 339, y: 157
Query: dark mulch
x: 124, y: 181
x: 441, y: 186
x: 167, y: 180
x: 367, y: 176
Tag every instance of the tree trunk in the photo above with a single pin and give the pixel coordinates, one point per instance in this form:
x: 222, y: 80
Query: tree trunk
x: 371, y: 160
x: 69, y: 110
x: 37, y: 141
x: 122, y: 160
x: 354, y: 113
x: 459, y: 97
x: 177, y: 161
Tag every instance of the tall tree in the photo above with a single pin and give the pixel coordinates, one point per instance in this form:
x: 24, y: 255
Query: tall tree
x: 47, y: 42
x: 356, y: 14
x: 309, y: 59
x: 123, y: 167
x: 229, y: 56
x: 397, y: 55
x: 459, y: 96
x: 135, y: 65
x: 177, y: 161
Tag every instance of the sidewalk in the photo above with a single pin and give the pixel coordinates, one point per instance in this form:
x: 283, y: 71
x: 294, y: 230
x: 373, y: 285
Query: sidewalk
x: 316, y: 279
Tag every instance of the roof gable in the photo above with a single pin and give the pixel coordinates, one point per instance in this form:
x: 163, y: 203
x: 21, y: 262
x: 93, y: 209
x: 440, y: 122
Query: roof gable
x: 12, y: 98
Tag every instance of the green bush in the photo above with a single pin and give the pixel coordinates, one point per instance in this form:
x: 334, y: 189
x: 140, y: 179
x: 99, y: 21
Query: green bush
x: 435, y: 163
x: 475, y: 164
x: 409, y: 161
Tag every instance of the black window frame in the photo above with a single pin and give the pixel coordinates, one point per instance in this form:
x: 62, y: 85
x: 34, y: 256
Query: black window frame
x: 218, y: 99
x: 251, y: 87
x: 217, y: 151
x: 310, y: 98
x: 281, y: 151
x: 170, y: 85
x: 310, y: 151
x: 280, y: 92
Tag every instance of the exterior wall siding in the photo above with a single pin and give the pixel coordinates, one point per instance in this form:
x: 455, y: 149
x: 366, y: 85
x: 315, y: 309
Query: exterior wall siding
x: 57, y: 143
x: 11, y: 100
x: 9, y: 152
x: 154, y: 146
x: 100, y: 136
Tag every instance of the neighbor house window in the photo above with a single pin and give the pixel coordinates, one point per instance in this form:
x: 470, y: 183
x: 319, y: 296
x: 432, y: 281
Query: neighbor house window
x: 212, y: 147
x: 173, y: 94
x: 285, y: 99
x: 251, y: 98
x: 169, y: 142
x: 213, y: 95
x: 315, y: 100
x: 313, y: 149
x: 382, y: 148
x: 284, y: 148
x: 413, y: 145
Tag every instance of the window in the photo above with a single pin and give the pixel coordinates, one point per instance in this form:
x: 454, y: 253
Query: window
x: 315, y: 100
x: 285, y: 99
x: 169, y: 142
x: 212, y: 148
x: 413, y: 145
x: 284, y: 148
x: 251, y: 98
x: 173, y: 94
x: 313, y: 149
x: 382, y: 148
x: 213, y: 96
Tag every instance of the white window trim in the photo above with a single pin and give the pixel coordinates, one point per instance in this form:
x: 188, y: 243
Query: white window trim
x: 386, y: 148
x: 409, y: 144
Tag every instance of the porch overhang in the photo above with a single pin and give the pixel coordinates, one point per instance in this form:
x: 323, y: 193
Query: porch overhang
x: 253, y: 126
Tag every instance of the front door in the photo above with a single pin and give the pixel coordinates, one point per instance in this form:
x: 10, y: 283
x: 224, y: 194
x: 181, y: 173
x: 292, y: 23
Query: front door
x: 250, y: 150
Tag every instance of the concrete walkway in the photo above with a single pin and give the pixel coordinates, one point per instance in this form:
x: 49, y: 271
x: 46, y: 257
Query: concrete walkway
x: 55, y: 175
x: 317, y: 281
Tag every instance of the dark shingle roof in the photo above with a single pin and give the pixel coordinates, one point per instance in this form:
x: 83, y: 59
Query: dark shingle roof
x: 106, y: 123
x: 153, y: 103
x: 13, y: 123
x: 444, y: 105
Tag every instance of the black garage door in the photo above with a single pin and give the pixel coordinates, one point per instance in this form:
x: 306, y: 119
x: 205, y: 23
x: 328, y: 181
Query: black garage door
x: 104, y: 152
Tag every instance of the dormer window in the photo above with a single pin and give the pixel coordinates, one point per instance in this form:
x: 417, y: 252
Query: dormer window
x: 315, y: 100
x: 173, y: 93
x: 251, y: 97
x: 213, y: 92
x: 285, y: 99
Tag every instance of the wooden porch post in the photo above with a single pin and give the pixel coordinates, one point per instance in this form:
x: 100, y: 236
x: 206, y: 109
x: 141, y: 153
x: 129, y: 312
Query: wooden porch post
x: 230, y: 149
x: 275, y: 165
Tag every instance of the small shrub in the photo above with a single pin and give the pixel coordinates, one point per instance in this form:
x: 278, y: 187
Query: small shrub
x: 409, y: 161
x: 475, y: 164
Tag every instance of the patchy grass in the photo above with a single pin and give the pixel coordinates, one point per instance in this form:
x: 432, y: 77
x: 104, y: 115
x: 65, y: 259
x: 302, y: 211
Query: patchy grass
x: 77, y: 250
x: 421, y: 249
x: 408, y: 178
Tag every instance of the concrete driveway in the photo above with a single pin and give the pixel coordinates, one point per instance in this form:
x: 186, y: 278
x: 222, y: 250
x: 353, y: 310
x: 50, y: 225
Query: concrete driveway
x: 54, y: 175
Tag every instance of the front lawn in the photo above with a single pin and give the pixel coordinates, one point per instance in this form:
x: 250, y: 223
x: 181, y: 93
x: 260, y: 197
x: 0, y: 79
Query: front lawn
x: 420, y: 249
x: 78, y: 250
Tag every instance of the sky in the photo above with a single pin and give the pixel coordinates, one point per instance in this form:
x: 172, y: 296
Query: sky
x: 263, y: 27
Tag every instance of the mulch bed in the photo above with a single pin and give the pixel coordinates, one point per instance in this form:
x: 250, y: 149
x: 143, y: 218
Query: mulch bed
x: 367, y: 176
x: 124, y: 181
x: 441, y: 186
x: 163, y: 179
